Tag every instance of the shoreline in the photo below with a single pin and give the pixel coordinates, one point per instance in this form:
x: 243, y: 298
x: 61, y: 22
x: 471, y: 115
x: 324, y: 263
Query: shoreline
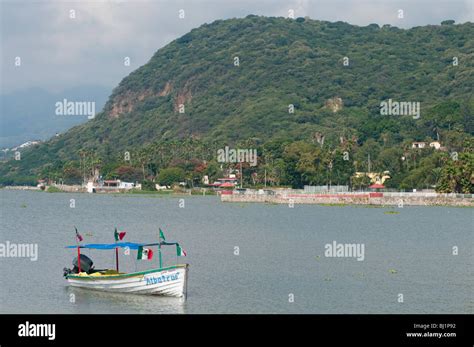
x: 363, y: 199
x: 115, y: 192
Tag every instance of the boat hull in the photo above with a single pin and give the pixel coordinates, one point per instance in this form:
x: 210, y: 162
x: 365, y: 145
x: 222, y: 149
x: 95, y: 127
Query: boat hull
x: 170, y: 281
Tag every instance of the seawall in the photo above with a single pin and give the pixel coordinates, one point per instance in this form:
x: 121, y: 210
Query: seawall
x: 389, y: 199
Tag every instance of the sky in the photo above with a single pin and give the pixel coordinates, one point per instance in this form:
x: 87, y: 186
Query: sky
x: 66, y: 44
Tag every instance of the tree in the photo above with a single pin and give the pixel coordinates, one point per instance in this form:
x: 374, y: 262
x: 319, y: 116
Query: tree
x: 457, y: 175
x: 127, y: 173
x: 448, y: 22
x: 142, y: 157
x: 71, y: 173
x: 170, y: 176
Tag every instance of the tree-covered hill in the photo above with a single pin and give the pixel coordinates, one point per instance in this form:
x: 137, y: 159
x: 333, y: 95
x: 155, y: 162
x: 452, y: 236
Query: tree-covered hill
x: 235, y: 82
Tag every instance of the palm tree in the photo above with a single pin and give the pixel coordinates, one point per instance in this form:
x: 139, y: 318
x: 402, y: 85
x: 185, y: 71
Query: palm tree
x: 436, y: 174
x: 143, y: 158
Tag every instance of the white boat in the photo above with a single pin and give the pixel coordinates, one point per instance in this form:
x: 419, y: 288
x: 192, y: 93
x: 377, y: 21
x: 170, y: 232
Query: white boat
x: 169, y: 281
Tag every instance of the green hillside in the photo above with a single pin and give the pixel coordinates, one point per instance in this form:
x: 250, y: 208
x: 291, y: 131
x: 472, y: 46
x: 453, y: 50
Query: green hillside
x: 282, y: 62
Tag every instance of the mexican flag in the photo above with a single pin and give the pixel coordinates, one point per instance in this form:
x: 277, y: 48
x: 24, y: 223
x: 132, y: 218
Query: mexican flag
x: 179, y: 251
x: 119, y: 235
x: 78, y: 236
x: 144, y: 253
x: 162, y: 236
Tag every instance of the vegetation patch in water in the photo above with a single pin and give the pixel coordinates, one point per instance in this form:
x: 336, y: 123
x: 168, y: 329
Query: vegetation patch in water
x: 334, y: 204
x: 52, y: 189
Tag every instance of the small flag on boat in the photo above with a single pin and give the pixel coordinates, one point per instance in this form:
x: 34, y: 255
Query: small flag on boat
x: 78, y: 236
x: 119, y: 235
x: 179, y: 251
x: 144, y: 253
x: 162, y: 236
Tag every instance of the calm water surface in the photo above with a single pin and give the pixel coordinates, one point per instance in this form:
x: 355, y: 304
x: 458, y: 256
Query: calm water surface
x: 281, y: 252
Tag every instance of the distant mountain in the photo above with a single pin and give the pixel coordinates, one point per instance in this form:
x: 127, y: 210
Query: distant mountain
x: 30, y: 114
x: 271, y: 82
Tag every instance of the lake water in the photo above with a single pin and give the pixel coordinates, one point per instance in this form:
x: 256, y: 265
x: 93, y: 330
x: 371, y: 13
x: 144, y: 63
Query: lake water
x: 281, y: 255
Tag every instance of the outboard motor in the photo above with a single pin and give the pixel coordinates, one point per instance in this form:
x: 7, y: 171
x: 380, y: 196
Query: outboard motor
x: 87, y: 265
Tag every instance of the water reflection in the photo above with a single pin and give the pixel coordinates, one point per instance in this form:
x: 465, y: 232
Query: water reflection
x: 93, y: 301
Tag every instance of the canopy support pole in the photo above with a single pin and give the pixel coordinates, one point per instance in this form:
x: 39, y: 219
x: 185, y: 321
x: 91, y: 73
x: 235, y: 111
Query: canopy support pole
x: 116, y: 236
x: 79, y: 258
x: 159, y: 251
x: 116, y: 259
x: 159, y: 255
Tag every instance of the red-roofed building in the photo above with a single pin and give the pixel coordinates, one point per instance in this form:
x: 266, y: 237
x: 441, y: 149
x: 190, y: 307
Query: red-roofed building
x: 377, y: 186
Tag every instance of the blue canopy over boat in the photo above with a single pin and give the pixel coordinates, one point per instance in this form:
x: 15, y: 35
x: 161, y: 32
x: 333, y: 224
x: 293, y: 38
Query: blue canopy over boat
x: 131, y: 245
